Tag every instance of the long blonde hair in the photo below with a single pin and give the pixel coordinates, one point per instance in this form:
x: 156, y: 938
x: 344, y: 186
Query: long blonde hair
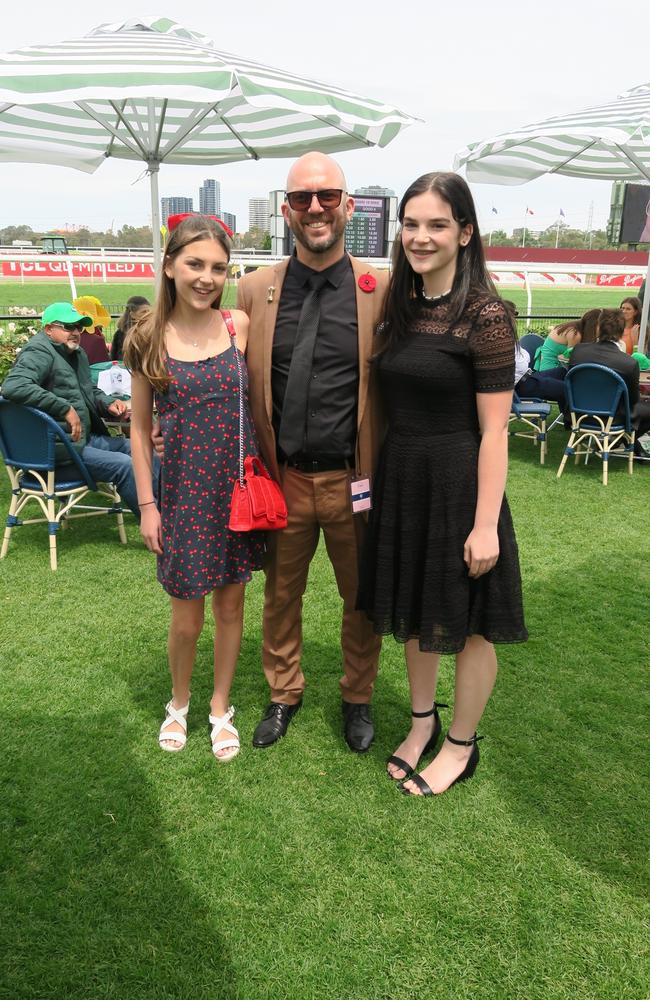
x: 144, y: 346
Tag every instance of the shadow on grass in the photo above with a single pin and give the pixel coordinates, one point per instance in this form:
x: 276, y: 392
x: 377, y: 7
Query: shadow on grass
x: 570, y: 756
x: 96, y: 906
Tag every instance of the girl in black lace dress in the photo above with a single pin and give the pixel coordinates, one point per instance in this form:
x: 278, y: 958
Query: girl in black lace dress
x: 441, y: 570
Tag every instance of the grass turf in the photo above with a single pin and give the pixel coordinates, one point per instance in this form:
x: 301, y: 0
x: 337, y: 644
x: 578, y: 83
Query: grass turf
x: 299, y: 871
x: 551, y: 301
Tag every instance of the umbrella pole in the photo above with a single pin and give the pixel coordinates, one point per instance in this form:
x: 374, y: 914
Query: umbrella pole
x: 644, y: 312
x: 152, y: 168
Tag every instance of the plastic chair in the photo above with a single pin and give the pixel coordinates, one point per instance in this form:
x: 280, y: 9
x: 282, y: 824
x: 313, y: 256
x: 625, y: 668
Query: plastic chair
x: 530, y: 342
x: 594, y: 394
x: 534, y: 413
x: 30, y: 440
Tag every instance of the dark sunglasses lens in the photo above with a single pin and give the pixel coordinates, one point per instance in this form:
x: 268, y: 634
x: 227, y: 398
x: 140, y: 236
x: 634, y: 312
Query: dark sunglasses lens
x: 300, y: 201
x: 72, y: 326
x: 331, y: 198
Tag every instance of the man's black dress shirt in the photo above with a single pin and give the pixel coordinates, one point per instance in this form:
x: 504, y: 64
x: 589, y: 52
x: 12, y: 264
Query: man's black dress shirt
x: 331, y: 416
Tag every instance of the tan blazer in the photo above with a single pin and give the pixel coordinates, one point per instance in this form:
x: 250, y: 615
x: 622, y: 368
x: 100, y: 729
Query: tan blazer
x: 259, y: 296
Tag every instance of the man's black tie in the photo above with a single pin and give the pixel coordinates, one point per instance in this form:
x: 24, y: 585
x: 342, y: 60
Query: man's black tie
x: 294, y: 410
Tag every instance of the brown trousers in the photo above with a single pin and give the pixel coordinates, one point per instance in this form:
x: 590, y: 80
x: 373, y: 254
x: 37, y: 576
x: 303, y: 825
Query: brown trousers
x: 315, y: 501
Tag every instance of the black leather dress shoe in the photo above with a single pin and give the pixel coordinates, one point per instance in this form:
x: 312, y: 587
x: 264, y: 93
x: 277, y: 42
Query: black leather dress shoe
x: 274, y: 723
x: 357, y: 726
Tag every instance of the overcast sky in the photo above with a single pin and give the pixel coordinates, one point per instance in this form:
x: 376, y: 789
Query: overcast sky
x: 469, y: 69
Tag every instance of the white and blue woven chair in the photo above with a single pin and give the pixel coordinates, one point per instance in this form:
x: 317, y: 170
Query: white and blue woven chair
x: 595, y: 393
x: 44, y: 467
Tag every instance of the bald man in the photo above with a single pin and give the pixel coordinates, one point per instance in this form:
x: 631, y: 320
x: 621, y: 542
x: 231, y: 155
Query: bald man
x: 312, y: 324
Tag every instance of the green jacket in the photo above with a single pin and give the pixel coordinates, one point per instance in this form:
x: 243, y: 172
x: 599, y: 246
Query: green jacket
x: 51, y: 378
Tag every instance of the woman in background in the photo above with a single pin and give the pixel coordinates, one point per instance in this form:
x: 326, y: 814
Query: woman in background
x: 92, y: 338
x: 124, y: 324
x: 631, y: 309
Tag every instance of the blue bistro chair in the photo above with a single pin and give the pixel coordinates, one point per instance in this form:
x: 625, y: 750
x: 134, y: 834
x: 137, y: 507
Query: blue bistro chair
x: 30, y: 441
x: 530, y: 342
x: 533, y: 413
x: 594, y: 394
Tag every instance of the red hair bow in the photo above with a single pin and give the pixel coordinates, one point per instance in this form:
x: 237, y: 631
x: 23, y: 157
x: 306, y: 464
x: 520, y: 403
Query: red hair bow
x: 174, y: 220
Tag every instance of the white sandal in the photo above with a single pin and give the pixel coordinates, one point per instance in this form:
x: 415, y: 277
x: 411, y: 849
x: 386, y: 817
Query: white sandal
x: 232, y: 742
x: 172, y: 715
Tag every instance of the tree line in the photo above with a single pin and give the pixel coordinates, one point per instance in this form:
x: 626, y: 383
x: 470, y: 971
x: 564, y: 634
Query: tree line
x: 258, y: 239
x: 566, y: 237
x: 127, y: 236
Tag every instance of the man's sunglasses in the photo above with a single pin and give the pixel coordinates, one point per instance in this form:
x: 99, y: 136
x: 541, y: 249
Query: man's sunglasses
x: 300, y: 201
x: 69, y: 327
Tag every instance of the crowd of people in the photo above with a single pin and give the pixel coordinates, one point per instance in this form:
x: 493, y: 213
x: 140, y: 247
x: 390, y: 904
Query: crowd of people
x: 379, y: 404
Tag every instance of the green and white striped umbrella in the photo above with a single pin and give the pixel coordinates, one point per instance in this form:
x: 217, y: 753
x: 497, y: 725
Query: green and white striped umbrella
x: 609, y: 142
x: 148, y: 89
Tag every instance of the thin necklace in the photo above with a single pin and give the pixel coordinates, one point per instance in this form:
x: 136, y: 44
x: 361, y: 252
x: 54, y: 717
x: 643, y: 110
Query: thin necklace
x: 434, y: 298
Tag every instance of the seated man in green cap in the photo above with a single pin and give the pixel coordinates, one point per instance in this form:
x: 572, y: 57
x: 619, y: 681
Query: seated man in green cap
x: 52, y: 374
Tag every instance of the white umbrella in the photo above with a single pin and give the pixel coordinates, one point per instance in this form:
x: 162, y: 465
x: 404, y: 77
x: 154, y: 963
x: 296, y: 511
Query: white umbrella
x: 148, y: 89
x: 607, y: 142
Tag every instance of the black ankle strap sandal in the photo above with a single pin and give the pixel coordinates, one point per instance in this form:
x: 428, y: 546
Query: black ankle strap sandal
x: 465, y: 743
x: 433, y: 711
x: 470, y: 767
x: 431, y: 744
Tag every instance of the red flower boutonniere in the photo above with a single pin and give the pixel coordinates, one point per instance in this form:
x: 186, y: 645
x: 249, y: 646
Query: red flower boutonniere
x: 367, y: 283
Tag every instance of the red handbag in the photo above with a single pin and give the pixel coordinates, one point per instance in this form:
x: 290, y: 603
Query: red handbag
x: 257, y: 503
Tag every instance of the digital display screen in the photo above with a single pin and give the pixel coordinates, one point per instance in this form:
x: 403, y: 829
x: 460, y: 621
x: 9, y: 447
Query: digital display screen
x: 365, y: 233
x: 635, y: 224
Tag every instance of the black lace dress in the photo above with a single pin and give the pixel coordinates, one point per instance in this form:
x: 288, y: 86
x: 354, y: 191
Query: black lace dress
x: 413, y: 579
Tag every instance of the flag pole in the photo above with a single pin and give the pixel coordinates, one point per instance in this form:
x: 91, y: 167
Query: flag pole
x: 557, y: 232
x: 523, y: 238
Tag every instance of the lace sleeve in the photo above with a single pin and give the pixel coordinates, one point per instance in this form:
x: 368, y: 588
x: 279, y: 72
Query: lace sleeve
x: 492, y: 349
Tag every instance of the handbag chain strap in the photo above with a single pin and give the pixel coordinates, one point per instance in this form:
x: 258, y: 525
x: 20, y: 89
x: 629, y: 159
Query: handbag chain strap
x: 227, y: 318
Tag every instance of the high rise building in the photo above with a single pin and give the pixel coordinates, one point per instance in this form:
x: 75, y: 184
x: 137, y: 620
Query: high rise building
x: 230, y: 220
x: 210, y: 197
x: 258, y: 214
x: 174, y: 206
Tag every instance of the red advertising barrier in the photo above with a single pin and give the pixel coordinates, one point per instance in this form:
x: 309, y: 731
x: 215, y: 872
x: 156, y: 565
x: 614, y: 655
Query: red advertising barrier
x: 80, y: 269
x: 620, y: 280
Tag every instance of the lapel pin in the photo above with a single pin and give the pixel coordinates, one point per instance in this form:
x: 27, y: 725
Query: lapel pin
x: 367, y: 283
x: 271, y: 293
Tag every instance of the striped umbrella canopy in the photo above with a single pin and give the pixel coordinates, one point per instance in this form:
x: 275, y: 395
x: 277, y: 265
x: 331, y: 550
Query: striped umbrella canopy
x: 149, y: 89
x: 607, y: 142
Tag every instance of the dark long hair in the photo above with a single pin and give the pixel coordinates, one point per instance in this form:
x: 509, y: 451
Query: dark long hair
x: 404, y: 298
x: 637, y: 305
x: 144, y: 349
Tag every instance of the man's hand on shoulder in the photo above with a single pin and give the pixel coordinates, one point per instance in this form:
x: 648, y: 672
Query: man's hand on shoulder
x: 157, y: 440
x: 74, y: 423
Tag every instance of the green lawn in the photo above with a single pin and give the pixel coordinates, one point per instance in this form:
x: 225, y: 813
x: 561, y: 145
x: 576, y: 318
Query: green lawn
x: 572, y: 301
x: 300, y: 872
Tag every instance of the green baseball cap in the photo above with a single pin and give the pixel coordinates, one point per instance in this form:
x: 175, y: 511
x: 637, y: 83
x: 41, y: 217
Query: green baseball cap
x: 63, y: 312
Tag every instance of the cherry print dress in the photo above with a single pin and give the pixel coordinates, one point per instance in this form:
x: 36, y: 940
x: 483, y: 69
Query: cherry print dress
x: 199, y: 420
x: 413, y: 578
